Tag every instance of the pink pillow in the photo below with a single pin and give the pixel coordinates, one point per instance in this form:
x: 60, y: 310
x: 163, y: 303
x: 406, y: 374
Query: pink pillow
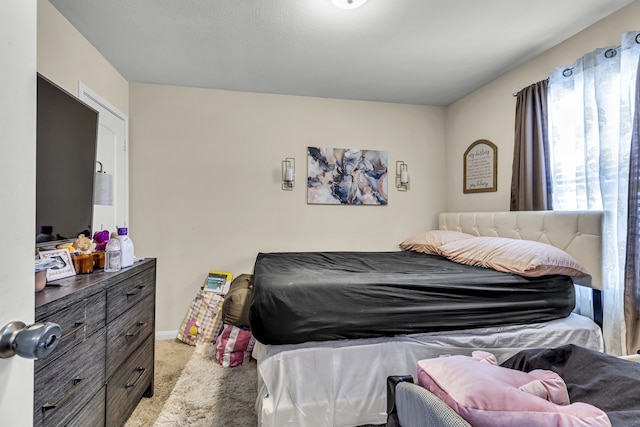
x: 234, y: 346
x: 488, y: 395
x: 429, y: 242
x: 523, y: 257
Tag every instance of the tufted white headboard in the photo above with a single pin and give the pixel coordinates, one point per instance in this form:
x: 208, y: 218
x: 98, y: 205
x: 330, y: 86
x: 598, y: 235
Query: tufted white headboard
x: 579, y: 233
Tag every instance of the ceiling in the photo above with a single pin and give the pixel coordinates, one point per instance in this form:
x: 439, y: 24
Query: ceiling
x: 429, y: 52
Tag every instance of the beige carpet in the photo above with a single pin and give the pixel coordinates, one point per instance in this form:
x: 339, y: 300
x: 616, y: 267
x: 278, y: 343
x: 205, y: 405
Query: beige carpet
x: 171, y: 356
x: 192, y: 389
x: 207, y: 394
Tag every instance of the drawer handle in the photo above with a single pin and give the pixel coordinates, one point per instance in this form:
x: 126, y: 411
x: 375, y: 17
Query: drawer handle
x: 49, y: 406
x: 79, y: 325
x: 140, y: 373
x: 136, y: 292
x: 133, y: 334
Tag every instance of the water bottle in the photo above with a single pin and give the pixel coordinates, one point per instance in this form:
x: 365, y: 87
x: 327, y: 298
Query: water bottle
x: 126, y: 247
x: 112, y: 255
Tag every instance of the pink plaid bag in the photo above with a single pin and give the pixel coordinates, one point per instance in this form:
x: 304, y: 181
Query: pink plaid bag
x: 203, y: 321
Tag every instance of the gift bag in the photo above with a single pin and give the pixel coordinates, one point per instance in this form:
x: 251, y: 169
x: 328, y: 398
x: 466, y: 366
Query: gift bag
x: 203, y: 321
x: 234, y: 346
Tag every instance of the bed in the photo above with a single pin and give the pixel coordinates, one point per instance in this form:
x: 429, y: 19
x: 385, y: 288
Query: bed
x: 323, y: 360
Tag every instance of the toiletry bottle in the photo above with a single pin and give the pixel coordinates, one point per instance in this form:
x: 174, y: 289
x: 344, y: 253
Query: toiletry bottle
x: 126, y: 247
x: 112, y: 260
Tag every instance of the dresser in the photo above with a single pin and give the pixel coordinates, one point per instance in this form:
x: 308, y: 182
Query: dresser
x: 104, y: 360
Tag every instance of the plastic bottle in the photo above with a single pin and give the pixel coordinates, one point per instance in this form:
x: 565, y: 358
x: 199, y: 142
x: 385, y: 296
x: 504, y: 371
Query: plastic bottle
x: 126, y: 247
x: 112, y: 253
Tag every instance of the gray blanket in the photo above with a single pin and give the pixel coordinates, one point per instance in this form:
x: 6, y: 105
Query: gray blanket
x: 606, y: 382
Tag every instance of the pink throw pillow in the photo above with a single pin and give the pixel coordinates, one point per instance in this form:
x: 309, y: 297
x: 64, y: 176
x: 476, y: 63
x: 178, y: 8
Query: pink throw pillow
x: 523, y: 257
x: 488, y: 395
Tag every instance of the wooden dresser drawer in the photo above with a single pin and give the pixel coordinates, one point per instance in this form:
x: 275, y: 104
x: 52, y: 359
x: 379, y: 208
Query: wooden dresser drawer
x: 128, y: 331
x: 93, y: 414
x: 69, y: 382
x: 126, y: 294
x: 78, y: 321
x: 129, y: 383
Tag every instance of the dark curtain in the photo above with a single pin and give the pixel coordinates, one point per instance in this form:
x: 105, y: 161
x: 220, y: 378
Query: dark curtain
x: 632, y: 269
x: 530, y: 180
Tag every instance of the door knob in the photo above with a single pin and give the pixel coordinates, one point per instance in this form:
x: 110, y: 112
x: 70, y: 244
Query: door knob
x: 32, y: 342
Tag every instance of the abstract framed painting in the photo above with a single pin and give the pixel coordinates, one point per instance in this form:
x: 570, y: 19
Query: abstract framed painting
x: 346, y: 176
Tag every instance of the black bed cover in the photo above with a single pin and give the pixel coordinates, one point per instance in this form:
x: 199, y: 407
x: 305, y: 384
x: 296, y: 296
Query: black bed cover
x: 319, y: 296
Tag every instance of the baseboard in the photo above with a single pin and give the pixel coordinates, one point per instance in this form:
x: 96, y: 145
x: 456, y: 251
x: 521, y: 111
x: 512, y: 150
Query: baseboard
x: 166, y: 335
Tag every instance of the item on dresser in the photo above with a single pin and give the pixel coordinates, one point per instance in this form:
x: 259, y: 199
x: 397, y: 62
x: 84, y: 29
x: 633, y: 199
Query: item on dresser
x: 101, y: 238
x: 126, y: 247
x: 83, y: 244
x: 98, y: 260
x: 62, y: 264
x: 41, y: 267
x: 113, y: 256
x: 83, y: 263
x: 41, y: 280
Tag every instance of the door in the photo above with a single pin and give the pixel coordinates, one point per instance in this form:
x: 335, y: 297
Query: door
x: 112, y: 153
x: 17, y: 197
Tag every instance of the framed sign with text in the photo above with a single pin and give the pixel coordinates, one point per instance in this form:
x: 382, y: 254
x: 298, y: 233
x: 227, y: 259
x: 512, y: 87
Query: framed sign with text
x: 481, y: 167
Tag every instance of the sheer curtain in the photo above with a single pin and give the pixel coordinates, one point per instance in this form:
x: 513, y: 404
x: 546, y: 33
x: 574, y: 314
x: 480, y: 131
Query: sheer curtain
x: 590, y: 122
x: 530, y: 180
x: 632, y: 265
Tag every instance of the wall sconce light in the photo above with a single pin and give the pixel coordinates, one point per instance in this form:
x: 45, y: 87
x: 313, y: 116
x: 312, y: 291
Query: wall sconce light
x: 103, y: 188
x: 402, y: 176
x: 288, y: 173
x: 348, y: 4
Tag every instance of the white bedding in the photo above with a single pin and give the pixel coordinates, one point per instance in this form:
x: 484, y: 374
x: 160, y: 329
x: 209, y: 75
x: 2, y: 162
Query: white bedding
x: 343, y: 383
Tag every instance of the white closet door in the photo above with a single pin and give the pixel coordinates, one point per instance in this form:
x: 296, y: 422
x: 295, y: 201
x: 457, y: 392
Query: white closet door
x: 112, y: 153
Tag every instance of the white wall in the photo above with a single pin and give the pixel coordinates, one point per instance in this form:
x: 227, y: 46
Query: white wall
x: 66, y: 57
x: 17, y: 197
x: 489, y: 112
x: 206, y: 188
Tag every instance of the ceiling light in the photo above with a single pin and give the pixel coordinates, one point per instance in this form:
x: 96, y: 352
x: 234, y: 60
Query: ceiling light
x: 348, y: 4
